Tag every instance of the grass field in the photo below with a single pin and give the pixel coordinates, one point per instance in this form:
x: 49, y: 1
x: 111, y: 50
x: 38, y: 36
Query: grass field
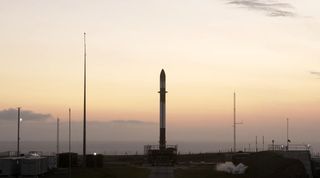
x: 110, y: 172
x: 261, y: 164
x: 203, y: 173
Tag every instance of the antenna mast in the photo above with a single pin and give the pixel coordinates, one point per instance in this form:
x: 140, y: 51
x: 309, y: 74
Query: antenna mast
x: 235, y: 123
x: 18, y: 141
x: 84, y: 100
x: 58, y: 135
x: 288, y: 140
x: 70, y: 143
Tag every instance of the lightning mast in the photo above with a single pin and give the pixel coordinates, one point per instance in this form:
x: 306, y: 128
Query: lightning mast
x: 235, y: 123
x: 84, y: 100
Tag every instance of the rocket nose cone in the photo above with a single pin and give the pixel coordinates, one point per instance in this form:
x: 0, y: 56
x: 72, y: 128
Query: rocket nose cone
x: 162, y: 75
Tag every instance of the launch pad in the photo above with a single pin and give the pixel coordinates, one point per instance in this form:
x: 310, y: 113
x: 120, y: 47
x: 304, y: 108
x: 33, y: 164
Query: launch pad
x: 161, y: 154
x: 161, y: 157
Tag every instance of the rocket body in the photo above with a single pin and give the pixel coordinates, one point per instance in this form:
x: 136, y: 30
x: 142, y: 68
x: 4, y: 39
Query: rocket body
x: 162, y: 92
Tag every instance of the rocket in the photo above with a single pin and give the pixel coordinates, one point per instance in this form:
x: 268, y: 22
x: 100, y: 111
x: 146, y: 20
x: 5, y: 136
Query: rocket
x: 162, y: 92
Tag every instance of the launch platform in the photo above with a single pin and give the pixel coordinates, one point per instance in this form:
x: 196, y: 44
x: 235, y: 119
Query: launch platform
x: 157, y: 156
x: 162, y: 154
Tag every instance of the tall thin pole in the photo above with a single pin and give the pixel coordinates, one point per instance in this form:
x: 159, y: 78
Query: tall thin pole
x: 58, y: 136
x: 256, y: 143
x: 272, y: 145
x: 287, y: 134
x: 234, y: 123
x: 84, y: 100
x: 262, y: 143
x: 69, y: 143
x: 18, y: 139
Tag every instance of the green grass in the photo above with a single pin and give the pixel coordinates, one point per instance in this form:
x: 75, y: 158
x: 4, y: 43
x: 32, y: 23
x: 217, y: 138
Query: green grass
x: 110, y: 172
x: 261, y: 164
x: 203, y: 173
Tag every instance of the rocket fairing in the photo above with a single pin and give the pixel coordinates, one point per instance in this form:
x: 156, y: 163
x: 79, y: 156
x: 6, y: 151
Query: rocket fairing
x: 162, y: 92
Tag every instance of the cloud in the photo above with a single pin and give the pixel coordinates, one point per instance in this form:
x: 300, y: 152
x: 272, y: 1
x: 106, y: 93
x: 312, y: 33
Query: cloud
x: 271, y: 8
x: 315, y: 73
x: 26, y: 115
x: 130, y: 122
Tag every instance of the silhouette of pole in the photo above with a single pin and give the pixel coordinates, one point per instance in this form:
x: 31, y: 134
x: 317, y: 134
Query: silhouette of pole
x: 69, y: 143
x: 287, y: 134
x: 235, y: 124
x: 58, y: 136
x: 262, y: 143
x: 84, y: 101
x: 273, y: 145
x: 256, y: 143
x: 18, y: 135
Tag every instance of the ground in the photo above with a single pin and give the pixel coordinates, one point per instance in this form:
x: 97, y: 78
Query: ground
x: 111, y: 172
x: 204, y: 173
x: 162, y: 172
x: 260, y: 165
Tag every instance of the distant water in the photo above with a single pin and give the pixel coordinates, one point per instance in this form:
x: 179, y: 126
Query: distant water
x: 119, y: 148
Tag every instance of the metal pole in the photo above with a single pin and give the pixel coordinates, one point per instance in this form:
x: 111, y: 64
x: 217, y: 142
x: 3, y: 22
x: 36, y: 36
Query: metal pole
x: 18, y: 139
x: 256, y: 143
x: 287, y: 134
x: 234, y: 123
x: 58, y: 123
x: 262, y: 143
x: 70, y: 143
x: 273, y: 145
x: 84, y: 101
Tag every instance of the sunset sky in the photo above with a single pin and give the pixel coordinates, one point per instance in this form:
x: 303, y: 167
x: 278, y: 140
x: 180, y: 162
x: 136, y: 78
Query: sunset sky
x: 266, y: 51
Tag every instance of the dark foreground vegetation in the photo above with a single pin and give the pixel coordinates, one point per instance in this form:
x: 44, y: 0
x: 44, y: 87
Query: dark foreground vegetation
x: 201, y: 172
x: 108, y: 172
x: 260, y: 165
